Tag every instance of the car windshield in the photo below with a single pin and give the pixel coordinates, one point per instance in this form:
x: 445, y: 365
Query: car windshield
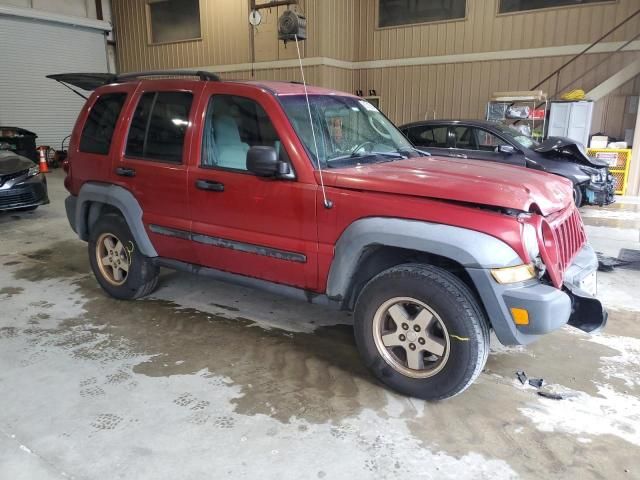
x: 347, y: 130
x: 515, y: 135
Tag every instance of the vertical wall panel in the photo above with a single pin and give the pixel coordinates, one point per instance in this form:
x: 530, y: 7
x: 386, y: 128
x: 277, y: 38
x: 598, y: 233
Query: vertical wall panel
x: 346, y: 30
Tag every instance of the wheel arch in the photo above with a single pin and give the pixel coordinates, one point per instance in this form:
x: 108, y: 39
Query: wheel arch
x: 96, y: 199
x: 372, y: 245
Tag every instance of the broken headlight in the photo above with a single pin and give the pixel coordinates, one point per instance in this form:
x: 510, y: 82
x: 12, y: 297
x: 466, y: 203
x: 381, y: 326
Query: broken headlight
x: 530, y: 241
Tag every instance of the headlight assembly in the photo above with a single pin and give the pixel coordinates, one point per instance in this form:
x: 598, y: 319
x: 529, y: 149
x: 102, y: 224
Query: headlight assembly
x: 519, y: 273
x: 35, y: 170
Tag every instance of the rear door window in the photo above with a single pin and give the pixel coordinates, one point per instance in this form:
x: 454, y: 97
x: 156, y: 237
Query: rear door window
x: 101, y: 123
x: 159, y: 126
x: 465, y: 138
x: 434, y: 137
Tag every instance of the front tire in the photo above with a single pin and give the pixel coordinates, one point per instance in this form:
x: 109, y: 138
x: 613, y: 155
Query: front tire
x: 117, y: 263
x: 577, y: 195
x: 420, y: 331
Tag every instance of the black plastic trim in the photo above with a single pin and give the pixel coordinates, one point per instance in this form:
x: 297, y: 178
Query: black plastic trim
x: 230, y: 244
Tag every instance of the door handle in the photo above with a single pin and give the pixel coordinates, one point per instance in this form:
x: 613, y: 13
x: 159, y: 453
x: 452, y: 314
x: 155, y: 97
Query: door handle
x: 209, y: 185
x: 125, y: 172
x: 460, y: 155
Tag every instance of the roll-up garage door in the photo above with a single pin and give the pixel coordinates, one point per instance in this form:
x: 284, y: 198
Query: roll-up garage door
x: 31, y: 49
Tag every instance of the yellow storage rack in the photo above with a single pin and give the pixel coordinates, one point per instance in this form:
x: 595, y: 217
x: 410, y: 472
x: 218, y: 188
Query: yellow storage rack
x: 619, y: 162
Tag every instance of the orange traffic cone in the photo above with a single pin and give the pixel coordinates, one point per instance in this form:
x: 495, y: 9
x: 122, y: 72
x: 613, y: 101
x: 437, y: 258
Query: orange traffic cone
x: 44, y: 166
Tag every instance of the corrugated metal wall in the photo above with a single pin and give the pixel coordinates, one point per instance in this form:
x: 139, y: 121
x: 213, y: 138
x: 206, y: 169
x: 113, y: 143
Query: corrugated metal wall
x: 611, y: 114
x: 225, y: 35
x: 346, y: 30
x: 486, y: 31
x: 461, y: 90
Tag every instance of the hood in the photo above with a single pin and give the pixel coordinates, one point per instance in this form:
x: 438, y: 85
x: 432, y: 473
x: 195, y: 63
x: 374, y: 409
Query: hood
x: 11, y: 162
x: 482, y: 183
x: 569, y: 149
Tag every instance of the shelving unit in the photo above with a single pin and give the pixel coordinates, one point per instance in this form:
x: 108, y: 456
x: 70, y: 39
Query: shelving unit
x: 534, y: 125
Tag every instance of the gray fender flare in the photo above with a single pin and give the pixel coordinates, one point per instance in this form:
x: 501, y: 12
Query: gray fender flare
x: 117, y: 197
x: 470, y: 248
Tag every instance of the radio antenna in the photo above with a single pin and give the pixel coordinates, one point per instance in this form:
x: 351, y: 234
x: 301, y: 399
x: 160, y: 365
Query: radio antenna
x: 327, y: 203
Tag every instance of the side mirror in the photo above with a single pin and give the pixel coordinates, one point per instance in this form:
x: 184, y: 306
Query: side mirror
x: 507, y: 149
x: 263, y: 161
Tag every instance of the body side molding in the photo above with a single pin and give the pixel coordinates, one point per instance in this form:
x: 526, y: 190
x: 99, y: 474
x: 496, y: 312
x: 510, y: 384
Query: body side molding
x: 230, y: 244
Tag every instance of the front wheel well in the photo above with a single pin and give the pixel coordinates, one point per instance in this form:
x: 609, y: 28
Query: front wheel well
x: 376, y: 259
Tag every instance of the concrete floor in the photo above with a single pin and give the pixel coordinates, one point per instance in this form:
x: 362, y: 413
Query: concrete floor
x: 207, y: 380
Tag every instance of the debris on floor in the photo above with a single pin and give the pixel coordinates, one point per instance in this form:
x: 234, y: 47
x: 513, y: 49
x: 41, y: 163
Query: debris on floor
x: 522, y: 376
x: 551, y: 395
x: 627, y: 258
x: 607, y: 263
x: 630, y: 257
x: 536, y: 382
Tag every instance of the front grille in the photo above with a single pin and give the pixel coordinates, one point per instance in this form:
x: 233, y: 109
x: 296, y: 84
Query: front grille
x: 11, y: 176
x: 570, y: 235
x: 9, y: 198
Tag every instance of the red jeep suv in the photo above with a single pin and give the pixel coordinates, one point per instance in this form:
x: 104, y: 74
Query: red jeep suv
x: 316, y: 195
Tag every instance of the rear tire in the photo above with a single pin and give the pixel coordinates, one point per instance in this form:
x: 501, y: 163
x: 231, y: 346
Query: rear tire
x: 420, y: 331
x: 117, y: 263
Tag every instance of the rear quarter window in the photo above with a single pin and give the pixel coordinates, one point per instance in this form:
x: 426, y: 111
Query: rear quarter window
x: 101, y: 123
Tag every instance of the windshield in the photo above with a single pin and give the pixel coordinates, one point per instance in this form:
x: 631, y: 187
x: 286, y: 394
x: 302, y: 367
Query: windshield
x: 348, y: 130
x: 515, y: 135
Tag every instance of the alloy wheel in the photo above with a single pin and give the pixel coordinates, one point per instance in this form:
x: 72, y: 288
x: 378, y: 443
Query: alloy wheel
x: 411, y: 337
x: 113, y: 259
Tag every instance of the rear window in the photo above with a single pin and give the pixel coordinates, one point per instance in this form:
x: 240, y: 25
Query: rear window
x: 159, y: 125
x: 101, y: 123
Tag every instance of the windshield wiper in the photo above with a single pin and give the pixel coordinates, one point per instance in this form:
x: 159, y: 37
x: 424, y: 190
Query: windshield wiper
x: 366, y: 155
x: 381, y: 154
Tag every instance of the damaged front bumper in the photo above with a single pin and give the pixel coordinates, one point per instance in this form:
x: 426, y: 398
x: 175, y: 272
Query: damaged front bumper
x: 599, y: 193
x: 580, y: 283
x: 548, y: 308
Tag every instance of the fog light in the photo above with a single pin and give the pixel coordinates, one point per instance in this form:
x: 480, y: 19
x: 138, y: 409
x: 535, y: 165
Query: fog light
x: 514, y: 274
x: 520, y: 316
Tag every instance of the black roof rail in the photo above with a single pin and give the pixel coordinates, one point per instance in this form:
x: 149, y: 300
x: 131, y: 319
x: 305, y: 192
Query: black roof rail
x: 201, y: 74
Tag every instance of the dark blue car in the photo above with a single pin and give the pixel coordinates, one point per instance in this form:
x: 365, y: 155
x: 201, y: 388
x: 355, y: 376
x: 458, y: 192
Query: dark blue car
x: 496, y: 142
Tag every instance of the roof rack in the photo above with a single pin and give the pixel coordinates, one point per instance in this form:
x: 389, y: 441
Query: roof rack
x: 201, y: 74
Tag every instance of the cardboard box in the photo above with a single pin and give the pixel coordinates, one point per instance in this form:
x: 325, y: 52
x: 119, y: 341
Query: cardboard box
x: 599, y: 141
